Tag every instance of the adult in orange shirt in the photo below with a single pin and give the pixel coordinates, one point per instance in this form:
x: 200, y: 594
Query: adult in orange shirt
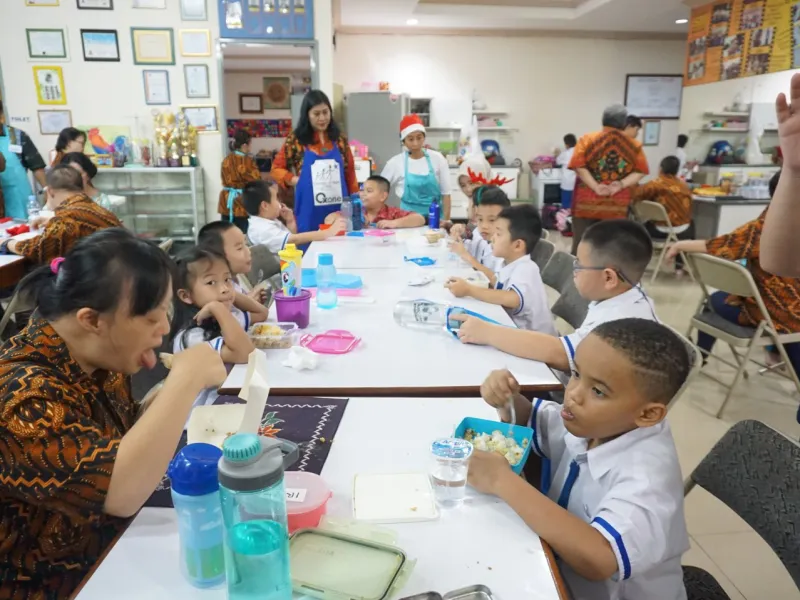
x: 238, y: 169
x: 316, y: 160
x: 608, y: 164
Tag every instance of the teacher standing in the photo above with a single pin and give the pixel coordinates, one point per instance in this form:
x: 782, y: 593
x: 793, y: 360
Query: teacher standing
x: 20, y: 156
x: 419, y: 175
x: 317, y: 162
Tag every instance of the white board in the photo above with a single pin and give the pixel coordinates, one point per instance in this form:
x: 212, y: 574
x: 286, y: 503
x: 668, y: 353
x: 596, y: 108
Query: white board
x: 654, y: 96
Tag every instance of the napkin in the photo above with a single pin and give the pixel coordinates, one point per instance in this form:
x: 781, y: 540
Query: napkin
x: 301, y: 359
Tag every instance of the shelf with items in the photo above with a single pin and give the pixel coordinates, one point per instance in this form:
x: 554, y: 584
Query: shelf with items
x: 490, y: 113
x: 422, y: 108
x: 724, y: 130
x: 157, y: 203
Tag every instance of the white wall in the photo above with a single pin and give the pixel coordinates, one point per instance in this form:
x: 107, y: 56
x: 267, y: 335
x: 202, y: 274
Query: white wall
x: 549, y: 86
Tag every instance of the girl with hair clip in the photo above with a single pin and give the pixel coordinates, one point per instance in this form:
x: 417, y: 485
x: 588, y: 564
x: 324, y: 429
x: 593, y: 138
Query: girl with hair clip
x: 238, y: 169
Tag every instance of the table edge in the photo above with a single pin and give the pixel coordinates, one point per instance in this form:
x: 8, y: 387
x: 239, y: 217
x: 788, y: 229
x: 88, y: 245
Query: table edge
x: 383, y: 392
x: 555, y: 572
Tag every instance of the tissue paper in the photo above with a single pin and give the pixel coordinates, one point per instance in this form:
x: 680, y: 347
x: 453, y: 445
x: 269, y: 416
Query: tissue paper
x: 301, y: 359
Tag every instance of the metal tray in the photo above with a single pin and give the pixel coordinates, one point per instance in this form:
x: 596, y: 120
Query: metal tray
x: 473, y: 592
x: 427, y: 596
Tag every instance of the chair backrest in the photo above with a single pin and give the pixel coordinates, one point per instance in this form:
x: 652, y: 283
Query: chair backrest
x: 571, y: 306
x: 559, y: 271
x: 265, y: 265
x: 723, y: 275
x: 19, y: 303
x: 542, y: 252
x: 695, y: 364
x: 647, y: 210
x: 756, y: 471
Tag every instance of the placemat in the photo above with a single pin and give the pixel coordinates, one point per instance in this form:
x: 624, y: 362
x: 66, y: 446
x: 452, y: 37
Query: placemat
x: 309, y: 422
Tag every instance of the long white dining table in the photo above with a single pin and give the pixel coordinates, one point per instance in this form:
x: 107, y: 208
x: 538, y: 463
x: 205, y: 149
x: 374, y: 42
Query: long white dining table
x: 483, y: 542
x: 393, y: 360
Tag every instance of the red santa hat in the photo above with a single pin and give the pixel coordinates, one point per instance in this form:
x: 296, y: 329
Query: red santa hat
x: 409, y: 124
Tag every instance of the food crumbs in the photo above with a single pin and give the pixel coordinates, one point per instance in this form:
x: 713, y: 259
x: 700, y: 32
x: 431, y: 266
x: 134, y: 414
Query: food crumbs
x: 413, y: 509
x: 322, y: 440
x: 490, y: 568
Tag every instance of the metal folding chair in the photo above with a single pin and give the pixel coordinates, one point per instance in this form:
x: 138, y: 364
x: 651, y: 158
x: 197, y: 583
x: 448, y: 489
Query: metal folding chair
x: 732, y: 278
x: 542, y: 252
x: 645, y: 211
x: 558, y: 274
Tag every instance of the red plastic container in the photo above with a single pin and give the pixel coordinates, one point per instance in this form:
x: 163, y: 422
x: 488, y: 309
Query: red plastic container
x: 307, y: 498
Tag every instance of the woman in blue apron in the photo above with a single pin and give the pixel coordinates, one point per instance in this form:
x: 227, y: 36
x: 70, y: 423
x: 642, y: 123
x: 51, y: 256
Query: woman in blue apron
x: 20, y: 156
x: 316, y: 160
x: 419, y: 175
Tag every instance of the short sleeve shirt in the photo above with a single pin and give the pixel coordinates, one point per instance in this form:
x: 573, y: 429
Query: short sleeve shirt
x: 390, y: 213
x: 481, y: 250
x: 60, y: 430
x: 522, y: 277
x: 630, y: 490
x: 268, y: 232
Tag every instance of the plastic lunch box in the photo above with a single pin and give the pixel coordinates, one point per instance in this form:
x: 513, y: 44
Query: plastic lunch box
x: 276, y: 335
x: 307, y: 497
x: 518, y: 432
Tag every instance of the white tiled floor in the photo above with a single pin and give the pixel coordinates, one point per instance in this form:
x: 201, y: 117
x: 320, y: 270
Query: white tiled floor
x: 722, y: 543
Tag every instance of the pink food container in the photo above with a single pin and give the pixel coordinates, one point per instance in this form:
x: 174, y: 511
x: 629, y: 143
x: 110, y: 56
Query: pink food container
x: 307, y: 498
x: 380, y: 237
x: 293, y: 309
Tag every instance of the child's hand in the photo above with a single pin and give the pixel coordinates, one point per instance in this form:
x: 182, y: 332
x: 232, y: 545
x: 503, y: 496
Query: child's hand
x: 473, y: 330
x: 788, y: 111
x: 258, y: 294
x: 287, y: 214
x: 457, y: 231
x: 499, y: 387
x: 459, y: 249
x: 207, y: 312
x: 486, y: 471
x: 332, y: 218
x: 336, y: 228
x: 458, y: 287
x: 386, y: 224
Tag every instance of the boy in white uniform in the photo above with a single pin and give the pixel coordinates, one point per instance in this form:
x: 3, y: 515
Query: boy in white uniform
x: 519, y: 288
x: 613, y: 508
x: 612, y: 258
x: 489, y: 201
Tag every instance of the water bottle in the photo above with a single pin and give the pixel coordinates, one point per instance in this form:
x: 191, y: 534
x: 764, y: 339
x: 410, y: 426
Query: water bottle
x: 347, y: 212
x: 33, y: 208
x: 326, y: 282
x: 254, y: 512
x: 421, y: 314
x: 433, y: 214
x: 195, y: 495
x: 358, y: 213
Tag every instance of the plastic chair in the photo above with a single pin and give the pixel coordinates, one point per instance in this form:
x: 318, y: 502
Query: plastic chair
x: 645, y: 211
x: 558, y: 274
x: 265, y: 265
x: 542, y: 252
x: 755, y: 471
x: 701, y: 585
x: 732, y: 278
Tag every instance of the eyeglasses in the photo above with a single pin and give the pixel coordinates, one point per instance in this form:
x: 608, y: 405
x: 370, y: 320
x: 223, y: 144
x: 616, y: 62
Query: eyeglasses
x: 577, y: 267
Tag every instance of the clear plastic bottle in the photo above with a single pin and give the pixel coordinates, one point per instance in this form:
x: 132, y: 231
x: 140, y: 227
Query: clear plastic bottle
x: 326, y: 282
x: 358, y: 213
x: 421, y: 314
x: 347, y: 212
x: 34, y: 208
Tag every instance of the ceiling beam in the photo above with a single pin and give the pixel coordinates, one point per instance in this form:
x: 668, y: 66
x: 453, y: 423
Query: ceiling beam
x: 544, y: 33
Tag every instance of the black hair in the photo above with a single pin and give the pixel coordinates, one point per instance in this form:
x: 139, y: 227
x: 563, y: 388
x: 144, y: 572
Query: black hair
x: 64, y: 178
x: 524, y: 223
x: 183, y: 319
x: 622, y: 245
x: 382, y: 182
x: 254, y: 193
x: 633, y: 121
x: 70, y: 134
x: 570, y: 141
x: 83, y: 161
x: 211, y: 235
x: 660, y: 359
x: 304, y: 132
x: 773, y: 183
x: 670, y: 165
x: 96, y: 273
x: 683, y: 139
x: 491, y: 195
x: 240, y: 138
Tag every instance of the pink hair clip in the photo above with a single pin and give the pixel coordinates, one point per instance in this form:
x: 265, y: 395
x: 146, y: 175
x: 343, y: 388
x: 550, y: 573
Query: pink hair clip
x: 55, y: 264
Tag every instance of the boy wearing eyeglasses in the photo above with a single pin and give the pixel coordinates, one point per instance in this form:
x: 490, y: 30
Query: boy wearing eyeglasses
x: 612, y: 257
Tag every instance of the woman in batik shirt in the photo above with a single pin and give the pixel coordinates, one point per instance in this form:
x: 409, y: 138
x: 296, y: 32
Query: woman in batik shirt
x: 238, y: 169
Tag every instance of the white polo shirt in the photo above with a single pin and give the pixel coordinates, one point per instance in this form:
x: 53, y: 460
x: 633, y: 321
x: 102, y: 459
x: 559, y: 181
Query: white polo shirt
x: 245, y: 318
x: 630, y: 490
x: 634, y: 304
x: 568, y: 176
x: 268, y: 232
x: 481, y: 250
x: 522, y: 277
x: 188, y: 339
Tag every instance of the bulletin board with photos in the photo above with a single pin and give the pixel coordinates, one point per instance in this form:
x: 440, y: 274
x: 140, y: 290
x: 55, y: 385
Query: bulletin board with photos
x: 266, y: 19
x: 742, y: 38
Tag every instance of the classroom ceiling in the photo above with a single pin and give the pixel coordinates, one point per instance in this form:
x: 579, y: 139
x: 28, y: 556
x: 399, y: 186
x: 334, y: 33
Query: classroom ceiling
x: 625, y: 17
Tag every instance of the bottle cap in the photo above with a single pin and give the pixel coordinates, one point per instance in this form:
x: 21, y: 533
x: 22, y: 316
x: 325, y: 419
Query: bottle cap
x: 252, y: 463
x: 241, y: 447
x: 193, y: 471
x: 325, y: 259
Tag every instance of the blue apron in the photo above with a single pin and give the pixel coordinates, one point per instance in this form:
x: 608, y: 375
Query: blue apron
x: 233, y: 193
x: 420, y: 190
x: 312, y: 206
x: 14, y: 181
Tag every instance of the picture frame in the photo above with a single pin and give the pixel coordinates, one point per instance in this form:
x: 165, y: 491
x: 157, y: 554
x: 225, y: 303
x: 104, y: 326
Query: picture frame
x: 102, y: 161
x: 46, y: 43
x: 51, y: 122
x: 156, y: 87
x: 251, y: 104
x: 277, y: 92
x: 100, y: 45
x: 95, y: 4
x: 654, y: 96
x: 194, y: 10
x: 153, y: 45
x: 204, y: 117
x: 43, y: 3
x: 49, y: 81
x: 195, y: 42
x: 651, y: 133
x: 196, y: 81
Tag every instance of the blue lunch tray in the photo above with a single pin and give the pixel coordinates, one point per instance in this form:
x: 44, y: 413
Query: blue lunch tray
x: 519, y: 433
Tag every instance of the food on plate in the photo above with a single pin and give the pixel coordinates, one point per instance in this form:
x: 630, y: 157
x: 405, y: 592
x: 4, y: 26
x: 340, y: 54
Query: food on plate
x: 266, y: 337
x: 709, y: 192
x: 433, y: 237
x: 166, y: 359
x: 497, y: 442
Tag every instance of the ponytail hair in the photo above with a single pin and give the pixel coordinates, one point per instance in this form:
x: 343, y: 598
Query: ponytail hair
x: 98, y: 272
x: 240, y: 138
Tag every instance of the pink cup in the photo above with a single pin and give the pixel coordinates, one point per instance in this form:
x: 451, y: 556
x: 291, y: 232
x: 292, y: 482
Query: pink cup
x: 293, y: 309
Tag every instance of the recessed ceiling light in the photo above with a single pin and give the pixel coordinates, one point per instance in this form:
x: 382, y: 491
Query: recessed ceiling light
x: 681, y: 21
x: 412, y: 22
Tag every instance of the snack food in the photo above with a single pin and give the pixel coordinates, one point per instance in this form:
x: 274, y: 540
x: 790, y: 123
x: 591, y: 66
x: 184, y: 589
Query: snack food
x: 270, y: 336
x: 166, y: 359
x: 433, y: 237
x: 497, y: 442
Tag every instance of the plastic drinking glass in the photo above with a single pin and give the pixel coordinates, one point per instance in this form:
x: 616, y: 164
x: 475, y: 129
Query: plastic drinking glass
x: 449, y: 466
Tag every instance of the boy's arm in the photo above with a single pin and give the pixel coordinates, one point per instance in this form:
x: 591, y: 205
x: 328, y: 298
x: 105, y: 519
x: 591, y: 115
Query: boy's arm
x: 412, y: 219
x: 505, y: 298
x: 461, y: 251
x: 258, y: 312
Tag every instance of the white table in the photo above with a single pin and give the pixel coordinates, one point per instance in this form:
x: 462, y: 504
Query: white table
x: 393, y: 360
x: 483, y: 542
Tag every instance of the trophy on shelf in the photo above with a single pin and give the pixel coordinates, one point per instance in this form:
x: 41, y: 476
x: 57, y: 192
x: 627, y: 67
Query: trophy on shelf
x: 162, y: 135
x: 193, y: 145
x: 183, y: 136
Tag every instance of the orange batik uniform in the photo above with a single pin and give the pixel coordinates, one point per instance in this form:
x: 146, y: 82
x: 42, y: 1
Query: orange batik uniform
x: 609, y: 155
x: 238, y: 169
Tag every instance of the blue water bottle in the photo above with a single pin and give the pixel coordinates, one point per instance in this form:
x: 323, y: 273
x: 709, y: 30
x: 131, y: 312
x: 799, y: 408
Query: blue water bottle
x: 195, y: 495
x: 254, y: 510
x: 433, y: 214
x: 347, y: 212
x: 358, y: 213
x: 327, y: 296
